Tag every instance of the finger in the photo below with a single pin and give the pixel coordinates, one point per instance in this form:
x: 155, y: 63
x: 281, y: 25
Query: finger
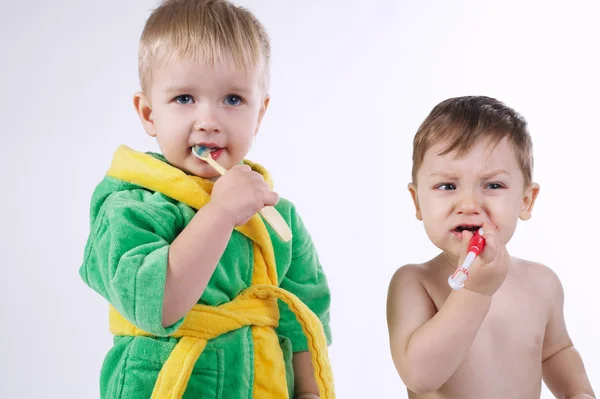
x: 466, y: 238
x: 271, y: 198
x: 257, y: 176
x: 241, y: 167
x: 477, y: 263
x: 464, y: 244
x: 491, y: 247
x: 489, y: 227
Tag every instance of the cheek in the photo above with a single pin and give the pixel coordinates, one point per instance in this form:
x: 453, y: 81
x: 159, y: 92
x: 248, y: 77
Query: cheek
x: 244, y: 119
x: 168, y: 121
x: 505, y: 214
x: 433, y: 207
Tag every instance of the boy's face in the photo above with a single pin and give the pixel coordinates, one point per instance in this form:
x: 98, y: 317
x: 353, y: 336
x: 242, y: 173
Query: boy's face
x: 486, y: 184
x: 190, y: 104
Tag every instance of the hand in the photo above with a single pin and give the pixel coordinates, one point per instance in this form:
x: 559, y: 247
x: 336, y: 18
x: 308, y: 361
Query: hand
x: 489, y: 269
x: 241, y: 193
x: 306, y: 396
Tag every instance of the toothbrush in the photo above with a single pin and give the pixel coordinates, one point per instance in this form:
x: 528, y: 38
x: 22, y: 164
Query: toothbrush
x: 269, y: 213
x: 476, y: 245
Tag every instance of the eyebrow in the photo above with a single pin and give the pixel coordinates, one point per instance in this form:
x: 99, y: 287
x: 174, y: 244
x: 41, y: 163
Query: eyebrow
x: 240, y: 89
x: 187, y: 89
x: 486, y: 174
x: 178, y: 89
x: 448, y: 175
x: 495, y: 172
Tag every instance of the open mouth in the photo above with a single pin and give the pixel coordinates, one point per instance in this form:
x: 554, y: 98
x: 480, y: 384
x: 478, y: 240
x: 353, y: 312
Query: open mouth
x: 199, y: 148
x: 471, y: 228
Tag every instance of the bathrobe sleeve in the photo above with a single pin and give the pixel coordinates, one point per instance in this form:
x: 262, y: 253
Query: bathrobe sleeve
x: 305, y: 279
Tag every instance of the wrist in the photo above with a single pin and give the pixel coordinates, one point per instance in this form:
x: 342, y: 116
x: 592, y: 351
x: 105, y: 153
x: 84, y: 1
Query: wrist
x: 472, y: 299
x: 306, y: 395
x: 480, y: 294
x: 222, y: 213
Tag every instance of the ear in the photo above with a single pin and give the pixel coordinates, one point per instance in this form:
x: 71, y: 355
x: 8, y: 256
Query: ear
x: 529, y: 200
x: 144, y: 111
x: 261, y: 113
x: 413, y: 193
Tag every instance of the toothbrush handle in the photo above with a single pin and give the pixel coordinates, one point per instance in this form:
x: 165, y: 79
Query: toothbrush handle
x: 269, y: 213
x: 476, y: 245
x: 277, y: 222
x: 457, y: 280
x: 216, y: 166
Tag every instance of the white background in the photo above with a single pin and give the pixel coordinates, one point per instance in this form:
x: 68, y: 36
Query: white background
x: 351, y: 83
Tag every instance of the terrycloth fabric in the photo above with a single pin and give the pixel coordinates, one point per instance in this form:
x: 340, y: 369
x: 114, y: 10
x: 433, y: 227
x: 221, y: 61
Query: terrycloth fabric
x: 136, y: 170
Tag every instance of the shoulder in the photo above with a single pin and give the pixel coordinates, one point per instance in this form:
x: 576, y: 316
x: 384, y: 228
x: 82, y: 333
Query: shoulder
x: 118, y: 193
x: 409, y: 274
x: 285, y: 207
x: 540, y: 278
x: 114, y: 201
x: 409, y: 304
x: 538, y: 271
x: 288, y: 210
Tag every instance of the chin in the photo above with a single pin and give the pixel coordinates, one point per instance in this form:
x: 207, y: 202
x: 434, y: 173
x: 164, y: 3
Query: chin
x: 451, y: 246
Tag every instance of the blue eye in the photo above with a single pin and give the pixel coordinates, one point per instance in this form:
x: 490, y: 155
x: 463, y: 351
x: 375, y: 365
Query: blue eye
x: 184, y: 99
x: 233, y: 100
x: 446, y: 187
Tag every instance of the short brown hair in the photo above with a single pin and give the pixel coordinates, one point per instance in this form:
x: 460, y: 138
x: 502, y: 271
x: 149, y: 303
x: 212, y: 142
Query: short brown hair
x: 205, y: 30
x: 461, y: 121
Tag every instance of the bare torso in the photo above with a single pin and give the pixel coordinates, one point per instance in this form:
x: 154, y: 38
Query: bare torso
x: 505, y: 359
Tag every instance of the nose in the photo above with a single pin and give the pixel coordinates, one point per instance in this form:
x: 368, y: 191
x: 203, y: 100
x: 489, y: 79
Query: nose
x: 468, y: 203
x: 207, y: 119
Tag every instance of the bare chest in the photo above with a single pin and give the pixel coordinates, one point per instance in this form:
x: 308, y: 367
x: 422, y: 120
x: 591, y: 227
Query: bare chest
x: 505, y: 357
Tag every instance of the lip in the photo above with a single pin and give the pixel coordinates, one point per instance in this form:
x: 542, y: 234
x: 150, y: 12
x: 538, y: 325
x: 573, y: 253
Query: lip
x: 216, y: 154
x: 459, y: 234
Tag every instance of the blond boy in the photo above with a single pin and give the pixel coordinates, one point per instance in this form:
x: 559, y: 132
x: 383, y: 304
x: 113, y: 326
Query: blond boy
x: 206, y: 300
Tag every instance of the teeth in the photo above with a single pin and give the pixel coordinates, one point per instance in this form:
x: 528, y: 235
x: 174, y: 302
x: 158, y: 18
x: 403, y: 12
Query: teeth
x: 469, y: 228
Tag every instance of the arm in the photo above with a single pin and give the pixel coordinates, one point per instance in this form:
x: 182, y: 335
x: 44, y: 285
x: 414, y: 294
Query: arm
x: 563, y: 369
x: 127, y: 252
x: 147, y: 263
x: 305, y: 279
x: 428, y: 347
x: 142, y: 267
x: 193, y: 257
x: 304, y: 375
x: 196, y: 251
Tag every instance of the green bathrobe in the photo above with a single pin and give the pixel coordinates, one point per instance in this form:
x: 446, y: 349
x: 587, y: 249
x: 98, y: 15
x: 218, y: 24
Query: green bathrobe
x: 126, y: 262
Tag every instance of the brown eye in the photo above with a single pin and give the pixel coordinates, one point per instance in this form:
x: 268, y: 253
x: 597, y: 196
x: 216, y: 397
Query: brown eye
x: 495, y: 186
x: 184, y: 99
x: 446, y: 187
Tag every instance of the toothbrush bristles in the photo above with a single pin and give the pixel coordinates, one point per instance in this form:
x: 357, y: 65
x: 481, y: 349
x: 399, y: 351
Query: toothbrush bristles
x: 200, y: 149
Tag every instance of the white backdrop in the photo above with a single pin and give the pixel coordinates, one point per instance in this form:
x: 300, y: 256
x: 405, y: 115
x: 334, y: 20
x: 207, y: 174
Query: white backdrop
x: 351, y: 83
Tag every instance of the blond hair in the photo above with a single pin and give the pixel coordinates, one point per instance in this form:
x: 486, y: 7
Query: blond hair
x: 459, y: 122
x: 209, y: 31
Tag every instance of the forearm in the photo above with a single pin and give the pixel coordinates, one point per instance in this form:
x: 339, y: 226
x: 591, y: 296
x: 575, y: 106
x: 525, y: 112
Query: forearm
x: 435, y: 350
x: 304, y: 375
x: 193, y: 256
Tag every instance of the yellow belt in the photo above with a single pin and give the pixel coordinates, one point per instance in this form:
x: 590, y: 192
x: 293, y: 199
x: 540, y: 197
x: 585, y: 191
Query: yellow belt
x: 256, y: 307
